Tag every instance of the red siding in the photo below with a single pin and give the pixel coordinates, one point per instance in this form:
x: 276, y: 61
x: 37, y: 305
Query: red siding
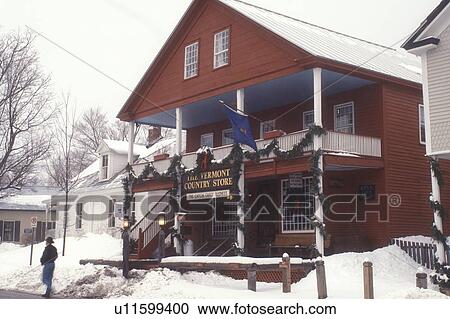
x: 407, y: 170
x: 255, y: 54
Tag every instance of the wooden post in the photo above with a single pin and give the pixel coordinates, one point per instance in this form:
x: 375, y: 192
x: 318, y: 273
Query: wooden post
x: 421, y: 279
x: 368, y: 280
x: 321, y: 280
x: 251, y: 276
x: 285, y: 266
x: 240, y: 236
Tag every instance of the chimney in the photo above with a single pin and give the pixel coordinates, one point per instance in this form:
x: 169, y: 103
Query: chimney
x: 154, y: 134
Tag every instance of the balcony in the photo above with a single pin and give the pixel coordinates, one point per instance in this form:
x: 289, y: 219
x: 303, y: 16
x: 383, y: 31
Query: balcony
x: 335, y: 142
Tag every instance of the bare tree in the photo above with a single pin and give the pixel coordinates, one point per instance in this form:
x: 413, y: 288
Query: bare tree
x: 60, y: 165
x: 91, y: 129
x: 25, y: 110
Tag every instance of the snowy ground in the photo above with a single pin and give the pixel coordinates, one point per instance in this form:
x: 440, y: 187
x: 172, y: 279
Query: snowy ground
x: 394, y: 276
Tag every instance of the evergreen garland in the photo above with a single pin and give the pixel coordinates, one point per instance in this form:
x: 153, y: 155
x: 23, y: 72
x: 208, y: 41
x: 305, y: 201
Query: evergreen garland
x: 436, y: 206
x: 436, y: 169
x: 234, y: 160
x: 442, y: 272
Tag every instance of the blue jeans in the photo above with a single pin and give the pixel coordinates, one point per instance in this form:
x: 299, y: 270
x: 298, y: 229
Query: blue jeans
x: 47, y: 276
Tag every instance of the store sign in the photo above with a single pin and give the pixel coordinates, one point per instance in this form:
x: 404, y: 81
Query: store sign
x: 296, y: 180
x: 207, y: 184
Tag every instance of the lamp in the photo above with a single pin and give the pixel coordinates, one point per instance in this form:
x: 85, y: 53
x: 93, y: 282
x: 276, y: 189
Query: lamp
x: 126, y: 223
x: 161, y: 220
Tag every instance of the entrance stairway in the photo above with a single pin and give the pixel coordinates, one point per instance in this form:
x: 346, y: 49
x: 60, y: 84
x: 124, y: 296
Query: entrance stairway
x: 144, y: 235
x: 216, y: 247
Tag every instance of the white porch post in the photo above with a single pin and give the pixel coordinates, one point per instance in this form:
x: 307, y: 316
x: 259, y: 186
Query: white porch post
x: 240, y: 98
x: 178, y: 144
x: 435, y: 189
x: 131, y: 142
x: 317, y: 74
x: 179, y: 130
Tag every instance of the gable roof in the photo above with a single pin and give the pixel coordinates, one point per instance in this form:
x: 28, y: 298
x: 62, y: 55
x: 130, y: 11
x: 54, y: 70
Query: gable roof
x: 120, y: 147
x: 332, y: 45
x: 317, y: 41
x: 413, y: 41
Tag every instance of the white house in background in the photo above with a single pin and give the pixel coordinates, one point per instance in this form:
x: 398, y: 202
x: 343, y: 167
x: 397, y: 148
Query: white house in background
x: 431, y: 41
x: 18, y: 207
x: 99, y: 187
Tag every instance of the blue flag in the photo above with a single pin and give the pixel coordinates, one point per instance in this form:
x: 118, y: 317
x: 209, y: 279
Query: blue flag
x: 242, y: 132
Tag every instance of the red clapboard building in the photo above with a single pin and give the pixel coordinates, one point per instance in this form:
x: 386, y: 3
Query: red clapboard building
x: 287, y: 75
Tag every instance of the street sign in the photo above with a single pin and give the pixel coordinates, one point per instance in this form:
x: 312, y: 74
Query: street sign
x: 34, y: 221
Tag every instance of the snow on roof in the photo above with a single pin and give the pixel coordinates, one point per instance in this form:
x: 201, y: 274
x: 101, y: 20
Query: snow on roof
x: 91, y: 169
x: 325, y: 43
x: 164, y: 145
x: 121, y: 147
x: 88, y: 180
x: 24, y: 202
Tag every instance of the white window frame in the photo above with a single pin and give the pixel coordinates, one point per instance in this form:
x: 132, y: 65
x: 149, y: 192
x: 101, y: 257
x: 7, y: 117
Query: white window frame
x: 338, y: 106
x: 306, y: 113
x: 421, y: 106
x: 207, y: 135
x: 194, y: 62
x: 261, y: 127
x: 223, y: 136
x: 104, y: 170
x: 225, y: 51
x: 307, y: 231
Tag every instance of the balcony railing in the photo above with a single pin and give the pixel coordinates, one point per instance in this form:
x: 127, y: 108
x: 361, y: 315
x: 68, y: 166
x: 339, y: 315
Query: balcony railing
x: 332, y: 142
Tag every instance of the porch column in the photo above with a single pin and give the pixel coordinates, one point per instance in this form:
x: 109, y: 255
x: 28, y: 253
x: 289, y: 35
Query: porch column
x: 131, y: 126
x: 179, y: 130
x: 317, y: 73
x: 435, y: 189
x: 240, y: 98
x: 178, y: 144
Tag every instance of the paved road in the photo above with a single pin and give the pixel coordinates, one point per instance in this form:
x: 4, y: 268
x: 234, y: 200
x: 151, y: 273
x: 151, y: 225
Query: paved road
x: 10, y: 294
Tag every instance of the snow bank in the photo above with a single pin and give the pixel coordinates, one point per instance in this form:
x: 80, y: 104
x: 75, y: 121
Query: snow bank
x: 394, y: 276
x: 4, y: 247
x: 15, y: 272
x: 230, y: 260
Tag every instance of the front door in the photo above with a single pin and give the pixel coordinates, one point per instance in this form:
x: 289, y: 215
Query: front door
x: 297, y: 207
x: 224, y: 218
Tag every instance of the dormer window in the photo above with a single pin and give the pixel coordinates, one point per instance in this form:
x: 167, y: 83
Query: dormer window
x: 191, y: 61
x: 104, y: 169
x: 221, y: 48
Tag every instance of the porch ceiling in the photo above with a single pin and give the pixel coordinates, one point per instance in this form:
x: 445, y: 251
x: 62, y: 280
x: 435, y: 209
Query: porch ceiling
x: 282, y: 91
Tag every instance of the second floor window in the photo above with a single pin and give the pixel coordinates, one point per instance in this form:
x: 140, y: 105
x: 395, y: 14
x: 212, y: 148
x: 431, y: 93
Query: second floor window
x: 191, y: 60
x: 344, y: 118
x: 207, y: 140
x: 221, y: 48
x: 227, y: 137
x: 105, y: 164
x: 79, y: 215
x: 308, y: 119
x: 422, y: 124
x: 265, y: 127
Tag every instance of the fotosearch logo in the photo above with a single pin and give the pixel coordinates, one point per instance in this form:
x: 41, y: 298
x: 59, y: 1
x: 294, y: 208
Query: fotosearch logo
x: 338, y: 208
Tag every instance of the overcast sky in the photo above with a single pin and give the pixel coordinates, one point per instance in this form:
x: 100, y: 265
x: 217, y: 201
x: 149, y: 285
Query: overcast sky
x: 121, y: 37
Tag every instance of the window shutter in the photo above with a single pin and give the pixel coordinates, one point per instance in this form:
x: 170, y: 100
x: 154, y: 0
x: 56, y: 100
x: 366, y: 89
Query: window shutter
x: 17, y: 231
x: 1, y: 231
